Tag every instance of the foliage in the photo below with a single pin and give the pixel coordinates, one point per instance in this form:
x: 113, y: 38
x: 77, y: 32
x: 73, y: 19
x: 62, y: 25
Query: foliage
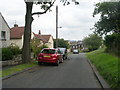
x: 36, y: 46
x: 61, y: 43
x: 6, y: 54
x: 112, y: 43
x: 9, y: 52
x: 109, y: 19
x: 107, y: 65
x: 43, y: 46
x: 92, y: 42
x: 15, y: 49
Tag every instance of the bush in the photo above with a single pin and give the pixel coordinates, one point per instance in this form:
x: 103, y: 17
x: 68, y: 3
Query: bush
x: 112, y: 42
x: 15, y: 49
x: 6, y: 54
x: 9, y: 52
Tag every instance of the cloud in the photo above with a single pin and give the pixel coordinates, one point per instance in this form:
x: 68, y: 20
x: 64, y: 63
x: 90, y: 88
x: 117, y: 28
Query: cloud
x: 75, y: 21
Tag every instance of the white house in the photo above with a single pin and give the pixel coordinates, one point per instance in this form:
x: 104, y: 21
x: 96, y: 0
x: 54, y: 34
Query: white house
x: 16, y: 36
x: 4, y: 33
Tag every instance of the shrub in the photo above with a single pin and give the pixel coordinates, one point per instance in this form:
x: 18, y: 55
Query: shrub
x: 15, y: 49
x: 9, y: 52
x: 112, y: 42
x: 6, y: 54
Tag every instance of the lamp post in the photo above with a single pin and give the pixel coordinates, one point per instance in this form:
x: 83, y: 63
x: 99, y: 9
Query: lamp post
x: 57, y: 26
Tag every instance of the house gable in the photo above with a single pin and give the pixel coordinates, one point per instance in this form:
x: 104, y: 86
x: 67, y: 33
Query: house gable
x: 4, y: 32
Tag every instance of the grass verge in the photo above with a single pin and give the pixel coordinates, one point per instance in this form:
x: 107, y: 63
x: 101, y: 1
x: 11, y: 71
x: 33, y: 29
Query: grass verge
x: 107, y: 65
x: 17, y: 68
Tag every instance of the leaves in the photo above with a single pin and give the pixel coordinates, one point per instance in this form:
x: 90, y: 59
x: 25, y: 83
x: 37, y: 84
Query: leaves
x: 109, y: 17
x: 92, y: 42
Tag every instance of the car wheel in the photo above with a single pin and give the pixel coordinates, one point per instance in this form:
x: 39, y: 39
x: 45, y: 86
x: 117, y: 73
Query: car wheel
x: 57, y: 64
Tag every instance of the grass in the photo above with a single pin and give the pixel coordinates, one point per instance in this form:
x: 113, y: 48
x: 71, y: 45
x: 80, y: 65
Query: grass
x: 17, y: 68
x: 107, y: 65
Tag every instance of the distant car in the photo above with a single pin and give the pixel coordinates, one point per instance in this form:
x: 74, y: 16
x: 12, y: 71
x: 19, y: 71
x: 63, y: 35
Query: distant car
x: 64, y: 53
x: 75, y: 51
x: 48, y: 55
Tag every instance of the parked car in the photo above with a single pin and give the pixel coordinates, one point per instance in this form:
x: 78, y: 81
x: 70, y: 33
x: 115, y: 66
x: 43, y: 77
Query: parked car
x: 48, y: 55
x: 64, y: 53
x: 75, y: 51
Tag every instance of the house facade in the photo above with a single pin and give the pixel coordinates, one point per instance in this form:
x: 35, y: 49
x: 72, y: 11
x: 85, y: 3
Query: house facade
x: 76, y: 45
x: 49, y: 40
x: 16, y: 37
x: 4, y: 33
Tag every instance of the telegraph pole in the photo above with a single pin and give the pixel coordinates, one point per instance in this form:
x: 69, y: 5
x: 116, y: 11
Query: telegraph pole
x: 56, y: 26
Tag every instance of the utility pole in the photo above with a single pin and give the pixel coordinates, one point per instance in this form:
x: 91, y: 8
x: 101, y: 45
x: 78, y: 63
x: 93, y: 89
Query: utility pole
x: 56, y: 26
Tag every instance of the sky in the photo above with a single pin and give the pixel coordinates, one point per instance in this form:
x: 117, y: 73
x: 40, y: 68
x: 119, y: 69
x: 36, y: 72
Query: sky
x: 75, y: 20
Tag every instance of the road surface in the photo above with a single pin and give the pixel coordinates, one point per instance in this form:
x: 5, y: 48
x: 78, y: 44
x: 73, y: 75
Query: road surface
x: 74, y: 72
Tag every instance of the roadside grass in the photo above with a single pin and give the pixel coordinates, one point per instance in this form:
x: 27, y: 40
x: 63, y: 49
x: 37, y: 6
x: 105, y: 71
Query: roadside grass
x: 107, y: 65
x: 16, y: 69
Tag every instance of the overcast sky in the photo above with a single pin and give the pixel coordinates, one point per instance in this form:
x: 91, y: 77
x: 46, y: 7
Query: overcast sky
x: 75, y: 20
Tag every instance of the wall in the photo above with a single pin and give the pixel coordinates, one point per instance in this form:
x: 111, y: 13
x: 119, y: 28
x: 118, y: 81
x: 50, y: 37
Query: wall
x: 4, y: 27
x: 18, y: 42
x: 50, y: 42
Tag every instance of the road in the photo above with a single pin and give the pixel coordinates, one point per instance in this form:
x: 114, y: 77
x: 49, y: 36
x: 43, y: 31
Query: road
x: 74, y: 72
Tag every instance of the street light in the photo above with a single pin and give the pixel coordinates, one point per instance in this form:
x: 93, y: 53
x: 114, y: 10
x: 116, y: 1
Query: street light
x: 57, y: 26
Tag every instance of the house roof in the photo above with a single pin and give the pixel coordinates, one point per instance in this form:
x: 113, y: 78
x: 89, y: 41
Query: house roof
x: 44, y: 39
x: 16, y: 32
x: 47, y: 37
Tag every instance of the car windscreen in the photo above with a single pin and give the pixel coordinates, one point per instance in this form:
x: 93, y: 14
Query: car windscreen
x: 49, y: 51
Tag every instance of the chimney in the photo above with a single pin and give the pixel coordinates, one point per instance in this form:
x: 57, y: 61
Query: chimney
x: 39, y: 32
x: 15, y: 25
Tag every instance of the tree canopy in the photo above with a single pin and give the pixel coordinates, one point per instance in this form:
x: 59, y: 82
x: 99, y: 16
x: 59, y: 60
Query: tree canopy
x: 92, y: 42
x: 61, y: 43
x: 109, y: 17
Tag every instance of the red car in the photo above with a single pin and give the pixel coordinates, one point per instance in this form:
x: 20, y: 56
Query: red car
x: 48, y: 55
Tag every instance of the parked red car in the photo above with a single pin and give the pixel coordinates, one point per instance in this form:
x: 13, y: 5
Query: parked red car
x: 48, y: 55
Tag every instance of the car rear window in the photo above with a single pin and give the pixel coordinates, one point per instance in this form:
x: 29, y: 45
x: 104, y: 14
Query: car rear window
x: 49, y: 51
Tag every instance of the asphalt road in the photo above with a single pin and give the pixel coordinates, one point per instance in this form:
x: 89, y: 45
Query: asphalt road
x: 74, y: 72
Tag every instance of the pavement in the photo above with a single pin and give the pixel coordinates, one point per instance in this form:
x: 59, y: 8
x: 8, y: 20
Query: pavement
x: 75, y: 72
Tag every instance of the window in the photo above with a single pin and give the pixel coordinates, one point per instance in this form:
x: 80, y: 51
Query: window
x: 3, y: 36
x: 49, y: 51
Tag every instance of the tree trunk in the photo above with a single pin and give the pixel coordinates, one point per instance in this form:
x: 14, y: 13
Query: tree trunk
x: 26, y: 53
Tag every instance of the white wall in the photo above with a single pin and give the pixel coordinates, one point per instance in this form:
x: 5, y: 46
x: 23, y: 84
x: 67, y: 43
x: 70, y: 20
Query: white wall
x: 18, y: 42
x: 50, y: 43
x: 4, y: 27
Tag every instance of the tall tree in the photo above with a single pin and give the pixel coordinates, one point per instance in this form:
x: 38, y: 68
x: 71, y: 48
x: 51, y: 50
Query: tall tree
x: 62, y: 43
x: 92, y: 42
x: 29, y: 19
x: 109, y: 17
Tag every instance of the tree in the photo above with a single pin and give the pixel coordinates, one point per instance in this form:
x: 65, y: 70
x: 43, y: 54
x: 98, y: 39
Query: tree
x: 109, y: 22
x: 92, y: 42
x: 29, y: 19
x: 61, y: 43
x: 35, y: 46
x: 109, y: 17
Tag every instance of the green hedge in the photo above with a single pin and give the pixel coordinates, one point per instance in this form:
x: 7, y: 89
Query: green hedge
x: 112, y: 43
x: 9, y: 52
